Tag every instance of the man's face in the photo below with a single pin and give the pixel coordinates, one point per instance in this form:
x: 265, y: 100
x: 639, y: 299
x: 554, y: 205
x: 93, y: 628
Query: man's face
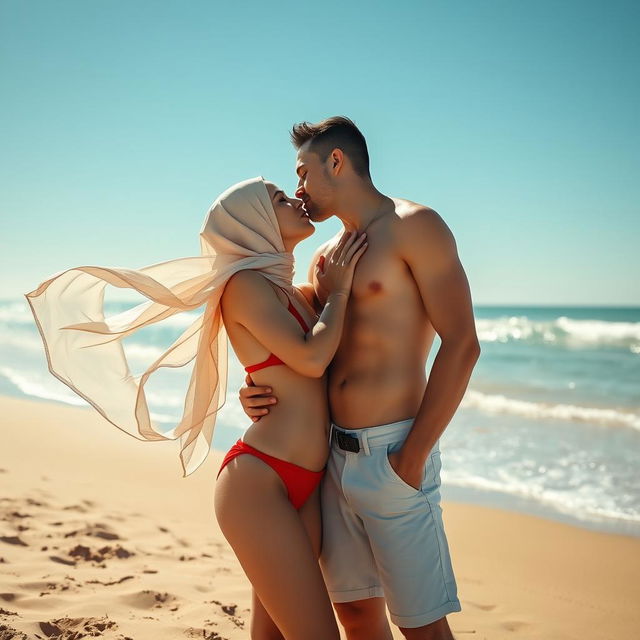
x: 315, y: 184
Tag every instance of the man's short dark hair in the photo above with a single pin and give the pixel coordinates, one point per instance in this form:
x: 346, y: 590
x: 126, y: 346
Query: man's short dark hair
x: 330, y: 133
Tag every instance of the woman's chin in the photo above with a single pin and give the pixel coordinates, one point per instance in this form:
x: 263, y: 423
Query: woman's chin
x: 308, y: 232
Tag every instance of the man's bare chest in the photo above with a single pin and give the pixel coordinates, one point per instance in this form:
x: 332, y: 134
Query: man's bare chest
x: 380, y: 276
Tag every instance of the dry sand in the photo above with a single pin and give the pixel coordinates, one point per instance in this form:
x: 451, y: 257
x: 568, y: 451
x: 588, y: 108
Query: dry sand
x: 101, y: 536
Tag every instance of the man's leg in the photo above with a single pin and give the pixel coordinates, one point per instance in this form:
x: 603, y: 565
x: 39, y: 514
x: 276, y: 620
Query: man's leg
x: 404, y: 531
x: 409, y: 543
x: 438, y: 630
x: 346, y: 560
x: 364, y: 619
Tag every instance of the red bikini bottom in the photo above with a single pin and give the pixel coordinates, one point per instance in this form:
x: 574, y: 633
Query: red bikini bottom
x: 300, y: 482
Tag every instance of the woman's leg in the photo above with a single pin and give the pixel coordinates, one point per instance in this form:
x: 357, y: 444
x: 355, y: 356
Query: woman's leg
x: 270, y: 540
x: 262, y: 626
x: 311, y: 518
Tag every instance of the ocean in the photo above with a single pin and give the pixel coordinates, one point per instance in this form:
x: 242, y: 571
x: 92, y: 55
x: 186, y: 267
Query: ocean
x: 549, y: 425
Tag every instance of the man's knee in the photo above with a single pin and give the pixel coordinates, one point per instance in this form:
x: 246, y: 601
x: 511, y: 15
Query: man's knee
x: 361, y: 614
x: 438, y: 630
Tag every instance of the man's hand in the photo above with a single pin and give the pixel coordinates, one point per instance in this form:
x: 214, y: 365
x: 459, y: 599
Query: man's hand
x: 254, y: 400
x: 411, y: 473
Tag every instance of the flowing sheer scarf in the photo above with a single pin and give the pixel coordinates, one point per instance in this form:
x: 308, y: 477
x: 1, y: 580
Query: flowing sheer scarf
x: 84, y: 348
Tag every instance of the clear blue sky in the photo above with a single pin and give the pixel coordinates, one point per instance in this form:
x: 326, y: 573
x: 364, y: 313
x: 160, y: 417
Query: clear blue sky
x: 516, y: 121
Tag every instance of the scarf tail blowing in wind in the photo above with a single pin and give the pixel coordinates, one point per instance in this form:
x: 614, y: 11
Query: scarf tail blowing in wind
x: 84, y: 348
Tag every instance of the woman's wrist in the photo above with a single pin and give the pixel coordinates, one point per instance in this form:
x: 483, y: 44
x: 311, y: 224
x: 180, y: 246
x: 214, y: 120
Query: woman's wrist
x: 339, y: 293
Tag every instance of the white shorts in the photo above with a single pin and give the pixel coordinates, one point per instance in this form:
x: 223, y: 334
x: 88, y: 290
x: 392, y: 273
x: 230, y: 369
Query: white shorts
x: 381, y: 536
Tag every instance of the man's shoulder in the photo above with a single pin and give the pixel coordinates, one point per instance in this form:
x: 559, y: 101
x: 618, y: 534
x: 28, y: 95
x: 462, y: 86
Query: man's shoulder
x: 410, y: 212
x: 420, y: 226
x: 306, y: 289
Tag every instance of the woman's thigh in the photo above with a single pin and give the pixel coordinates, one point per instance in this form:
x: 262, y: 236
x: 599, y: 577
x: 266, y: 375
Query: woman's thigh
x: 312, y: 520
x: 262, y: 626
x: 274, y: 548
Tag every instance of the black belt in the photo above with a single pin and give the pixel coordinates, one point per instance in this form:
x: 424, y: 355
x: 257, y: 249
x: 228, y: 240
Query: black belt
x: 345, y: 441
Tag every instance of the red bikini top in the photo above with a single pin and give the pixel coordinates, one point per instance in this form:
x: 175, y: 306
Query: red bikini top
x: 273, y: 359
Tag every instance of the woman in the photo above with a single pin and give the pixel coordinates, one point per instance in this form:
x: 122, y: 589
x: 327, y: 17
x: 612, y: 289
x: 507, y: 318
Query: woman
x: 268, y: 506
x: 245, y: 270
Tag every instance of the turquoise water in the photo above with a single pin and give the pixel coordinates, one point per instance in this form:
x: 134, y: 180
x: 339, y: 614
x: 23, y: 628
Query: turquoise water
x: 550, y: 423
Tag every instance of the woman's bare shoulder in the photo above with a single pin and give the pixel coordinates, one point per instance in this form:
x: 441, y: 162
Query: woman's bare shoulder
x: 246, y: 281
x: 250, y: 286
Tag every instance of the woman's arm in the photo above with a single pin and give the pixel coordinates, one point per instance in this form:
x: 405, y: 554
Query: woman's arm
x: 249, y: 300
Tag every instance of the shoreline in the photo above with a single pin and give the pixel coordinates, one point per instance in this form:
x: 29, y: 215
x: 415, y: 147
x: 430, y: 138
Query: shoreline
x: 516, y: 573
x: 502, y: 500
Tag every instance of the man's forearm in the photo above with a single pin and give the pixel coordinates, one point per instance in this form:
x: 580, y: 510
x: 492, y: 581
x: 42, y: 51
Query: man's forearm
x: 447, y: 384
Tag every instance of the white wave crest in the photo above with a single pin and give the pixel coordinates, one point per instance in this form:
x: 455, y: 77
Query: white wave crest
x: 494, y: 403
x: 584, y: 506
x: 39, y: 390
x: 562, y: 331
x: 16, y: 313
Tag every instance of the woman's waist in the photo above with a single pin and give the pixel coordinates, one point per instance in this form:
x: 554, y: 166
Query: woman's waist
x: 304, y: 443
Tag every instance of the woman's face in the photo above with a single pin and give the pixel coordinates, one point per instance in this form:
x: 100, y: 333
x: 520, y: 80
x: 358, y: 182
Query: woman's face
x: 294, y: 223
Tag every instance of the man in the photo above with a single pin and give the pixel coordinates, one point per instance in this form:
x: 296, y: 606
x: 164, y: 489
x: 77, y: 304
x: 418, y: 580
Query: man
x: 383, y: 535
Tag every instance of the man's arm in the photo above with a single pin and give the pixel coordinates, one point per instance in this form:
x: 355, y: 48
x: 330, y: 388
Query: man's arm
x: 429, y: 249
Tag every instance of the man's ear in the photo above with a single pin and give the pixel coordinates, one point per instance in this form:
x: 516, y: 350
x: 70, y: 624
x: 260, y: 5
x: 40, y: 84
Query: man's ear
x: 336, y: 160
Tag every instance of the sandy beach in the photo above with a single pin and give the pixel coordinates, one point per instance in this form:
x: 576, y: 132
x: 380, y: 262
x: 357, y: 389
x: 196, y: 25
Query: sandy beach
x: 101, y: 536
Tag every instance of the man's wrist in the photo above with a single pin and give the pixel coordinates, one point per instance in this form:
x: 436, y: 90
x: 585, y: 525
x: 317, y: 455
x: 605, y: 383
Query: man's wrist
x: 409, y: 460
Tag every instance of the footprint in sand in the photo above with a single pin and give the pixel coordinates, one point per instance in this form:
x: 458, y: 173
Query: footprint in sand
x: 60, y: 560
x: 60, y: 628
x: 75, y: 507
x: 229, y: 610
x: 108, y: 584
x: 36, y: 503
x: 82, y: 552
x: 13, y: 540
x: 9, y: 633
x: 9, y: 597
x: 97, y: 530
x: 514, y: 625
x: 17, y: 514
x: 192, y: 632
x: 39, y: 585
x: 149, y: 599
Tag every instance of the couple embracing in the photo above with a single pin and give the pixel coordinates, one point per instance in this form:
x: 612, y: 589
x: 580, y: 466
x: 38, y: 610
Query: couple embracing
x: 344, y: 466
x: 330, y: 499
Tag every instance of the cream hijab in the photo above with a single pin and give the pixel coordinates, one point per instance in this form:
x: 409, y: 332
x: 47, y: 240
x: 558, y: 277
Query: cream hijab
x: 84, y: 348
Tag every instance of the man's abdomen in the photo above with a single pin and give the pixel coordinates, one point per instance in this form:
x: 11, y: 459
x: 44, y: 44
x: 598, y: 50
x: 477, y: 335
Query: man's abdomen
x: 376, y: 395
